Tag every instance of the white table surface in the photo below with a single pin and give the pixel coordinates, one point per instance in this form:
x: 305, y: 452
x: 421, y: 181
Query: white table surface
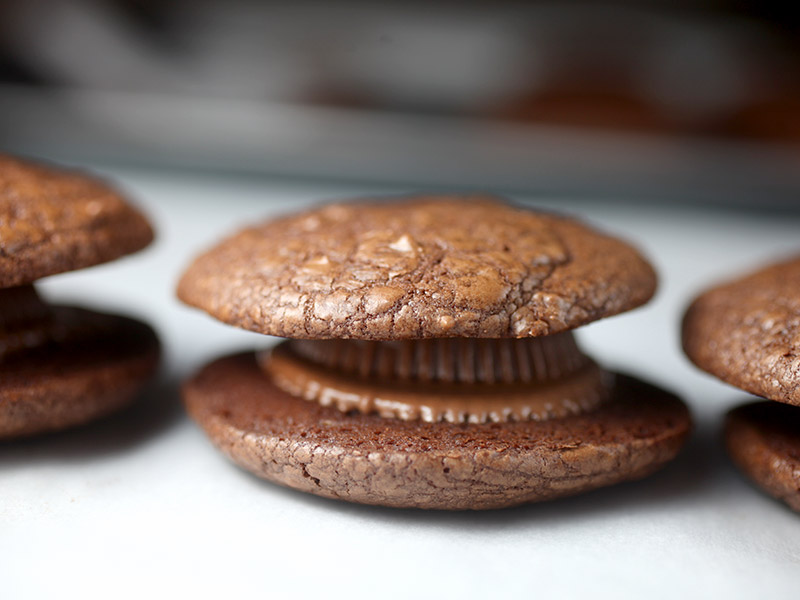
x: 141, y: 505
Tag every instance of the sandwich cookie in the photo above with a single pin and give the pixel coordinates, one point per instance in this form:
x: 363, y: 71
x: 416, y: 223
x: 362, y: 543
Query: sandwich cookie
x: 747, y: 333
x: 63, y: 366
x: 431, y: 362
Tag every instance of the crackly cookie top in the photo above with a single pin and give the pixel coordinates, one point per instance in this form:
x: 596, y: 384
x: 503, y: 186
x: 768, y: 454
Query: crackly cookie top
x: 54, y: 220
x: 747, y: 332
x: 421, y: 267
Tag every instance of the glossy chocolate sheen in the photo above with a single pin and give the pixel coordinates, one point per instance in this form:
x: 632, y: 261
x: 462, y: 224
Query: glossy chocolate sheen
x: 458, y: 381
x: 448, y: 360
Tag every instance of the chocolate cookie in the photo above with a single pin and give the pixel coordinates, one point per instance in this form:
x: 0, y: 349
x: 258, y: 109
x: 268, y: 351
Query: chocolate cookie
x: 372, y: 460
x: 763, y: 439
x: 747, y: 333
x: 437, y: 267
x: 52, y: 221
x: 432, y: 363
x: 63, y: 366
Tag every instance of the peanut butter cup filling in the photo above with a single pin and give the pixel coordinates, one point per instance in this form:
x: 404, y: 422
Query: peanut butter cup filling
x: 28, y: 323
x: 458, y: 380
x: 25, y: 320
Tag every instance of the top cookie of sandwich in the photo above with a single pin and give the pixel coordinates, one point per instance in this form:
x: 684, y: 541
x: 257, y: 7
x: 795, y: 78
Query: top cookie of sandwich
x: 747, y: 332
x: 422, y: 267
x: 53, y: 220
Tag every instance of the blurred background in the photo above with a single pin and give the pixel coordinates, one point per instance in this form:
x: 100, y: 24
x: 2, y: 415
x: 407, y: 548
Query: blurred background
x: 682, y: 101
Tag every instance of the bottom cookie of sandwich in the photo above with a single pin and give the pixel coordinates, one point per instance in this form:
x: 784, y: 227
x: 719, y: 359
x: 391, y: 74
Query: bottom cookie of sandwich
x: 373, y: 460
x: 763, y: 439
x: 92, y: 365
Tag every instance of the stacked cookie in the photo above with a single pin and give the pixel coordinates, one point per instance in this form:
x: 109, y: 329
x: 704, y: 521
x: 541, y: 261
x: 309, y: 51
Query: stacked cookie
x: 431, y: 361
x: 62, y: 366
x: 747, y: 333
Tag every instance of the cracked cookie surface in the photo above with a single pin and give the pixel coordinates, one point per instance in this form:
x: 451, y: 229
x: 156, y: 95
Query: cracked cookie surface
x: 54, y: 220
x: 428, y: 267
x: 747, y: 332
x: 372, y: 460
